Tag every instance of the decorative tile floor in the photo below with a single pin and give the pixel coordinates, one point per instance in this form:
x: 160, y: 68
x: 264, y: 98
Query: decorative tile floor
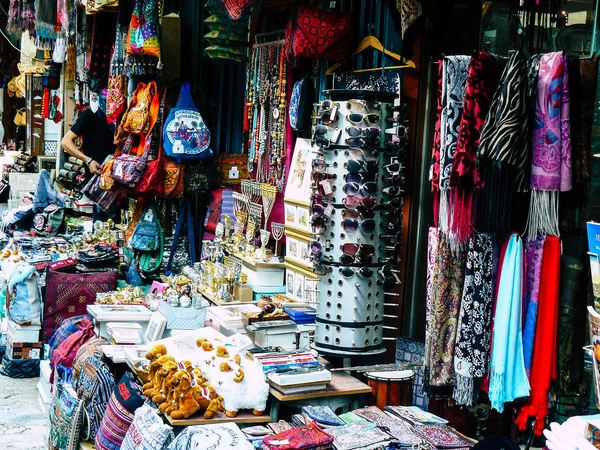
x: 22, y: 423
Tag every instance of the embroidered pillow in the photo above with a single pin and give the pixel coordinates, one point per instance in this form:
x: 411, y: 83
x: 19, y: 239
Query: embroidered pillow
x: 124, y: 401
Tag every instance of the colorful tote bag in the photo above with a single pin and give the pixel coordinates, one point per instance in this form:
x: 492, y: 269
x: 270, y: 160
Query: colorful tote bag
x: 144, y: 29
x: 185, y: 135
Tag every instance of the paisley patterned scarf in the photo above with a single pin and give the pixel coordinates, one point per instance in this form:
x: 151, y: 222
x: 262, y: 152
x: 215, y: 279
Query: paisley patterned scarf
x: 543, y: 371
x: 445, y: 305
x: 534, y: 249
x: 432, y: 246
x: 508, y: 378
x: 434, y: 170
x: 454, y: 74
x: 482, y: 81
x: 473, y: 338
x: 551, y: 161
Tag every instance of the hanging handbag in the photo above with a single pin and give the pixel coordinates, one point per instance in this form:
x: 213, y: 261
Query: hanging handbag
x: 128, y: 168
x: 232, y: 168
x: 185, y: 134
x: 320, y: 35
x: 301, y: 100
x: 144, y: 28
x: 146, y: 236
x: 200, y: 177
x: 142, y: 109
x: 185, y: 216
x: 95, y: 6
x: 173, y: 181
x: 105, y: 180
x: 104, y: 199
x: 20, y: 119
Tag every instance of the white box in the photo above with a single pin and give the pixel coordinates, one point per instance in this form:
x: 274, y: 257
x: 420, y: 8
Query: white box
x: 289, y: 338
x: 19, y: 333
x: 264, y: 275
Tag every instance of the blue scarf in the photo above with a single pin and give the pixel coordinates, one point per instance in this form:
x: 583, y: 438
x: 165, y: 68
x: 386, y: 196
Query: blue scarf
x: 508, y: 379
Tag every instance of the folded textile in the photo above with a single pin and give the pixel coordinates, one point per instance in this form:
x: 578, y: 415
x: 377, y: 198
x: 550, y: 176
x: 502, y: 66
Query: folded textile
x: 358, y: 436
x: 441, y: 436
x: 323, y: 414
x: 307, y: 437
x: 400, y: 429
x: 508, y: 379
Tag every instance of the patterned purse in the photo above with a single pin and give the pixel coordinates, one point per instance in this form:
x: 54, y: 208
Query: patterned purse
x: 147, y: 233
x: 232, y: 168
x: 320, y: 35
x: 173, y: 183
x: 128, y: 168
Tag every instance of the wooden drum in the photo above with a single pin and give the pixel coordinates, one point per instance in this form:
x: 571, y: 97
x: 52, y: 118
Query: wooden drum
x: 393, y: 388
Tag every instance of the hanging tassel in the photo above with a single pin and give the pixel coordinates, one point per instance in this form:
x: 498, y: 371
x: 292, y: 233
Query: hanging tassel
x: 543, y: 214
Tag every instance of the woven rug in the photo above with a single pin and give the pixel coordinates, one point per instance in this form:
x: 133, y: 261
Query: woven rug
x: 68, y: 294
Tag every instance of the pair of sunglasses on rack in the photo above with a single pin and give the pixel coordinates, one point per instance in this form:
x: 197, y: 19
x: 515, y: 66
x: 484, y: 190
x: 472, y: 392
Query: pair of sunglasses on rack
x: 365, y: 105
x: 367, y: 272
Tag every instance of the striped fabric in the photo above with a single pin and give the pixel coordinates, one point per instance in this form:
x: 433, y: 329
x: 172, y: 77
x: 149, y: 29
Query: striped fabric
x: 125, y: 399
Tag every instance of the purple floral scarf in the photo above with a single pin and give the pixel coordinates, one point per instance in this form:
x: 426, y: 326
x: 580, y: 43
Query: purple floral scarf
x: 534, y: 250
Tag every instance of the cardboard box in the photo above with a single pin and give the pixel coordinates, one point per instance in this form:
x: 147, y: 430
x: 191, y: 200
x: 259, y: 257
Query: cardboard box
x: 24, y: 350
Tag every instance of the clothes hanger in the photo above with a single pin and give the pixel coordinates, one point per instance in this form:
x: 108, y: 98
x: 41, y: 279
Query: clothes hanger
x: 374, y: 43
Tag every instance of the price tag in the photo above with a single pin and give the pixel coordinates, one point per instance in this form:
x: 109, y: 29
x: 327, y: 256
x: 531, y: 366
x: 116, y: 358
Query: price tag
x: 336, y: 136
x: 234, y: 173
x: 326, y: 187
x: 329, y: 210
x: 333, y: 114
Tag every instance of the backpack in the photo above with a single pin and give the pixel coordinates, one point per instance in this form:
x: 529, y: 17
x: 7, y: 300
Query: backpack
x: 94, y: 386
x: 23, y: 299
x: 66, y: 329
x: 147, y: 233
x: 185, y: 135
x: 87, y: 350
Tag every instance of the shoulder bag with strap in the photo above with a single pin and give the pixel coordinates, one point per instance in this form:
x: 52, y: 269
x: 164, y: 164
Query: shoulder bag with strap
x: 185, y: 134
x: 185, y: 216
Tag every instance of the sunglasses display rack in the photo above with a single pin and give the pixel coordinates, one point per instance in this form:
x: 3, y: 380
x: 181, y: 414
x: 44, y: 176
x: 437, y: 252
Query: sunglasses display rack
x: 356, y: 216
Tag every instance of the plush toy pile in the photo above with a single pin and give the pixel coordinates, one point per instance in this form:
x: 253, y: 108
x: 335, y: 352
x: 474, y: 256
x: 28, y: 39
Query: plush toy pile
x: 215, y: 378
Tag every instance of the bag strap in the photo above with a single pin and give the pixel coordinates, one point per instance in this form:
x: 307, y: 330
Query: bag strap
x: 184, y: 213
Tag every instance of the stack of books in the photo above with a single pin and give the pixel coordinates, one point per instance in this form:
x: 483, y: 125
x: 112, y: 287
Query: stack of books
x: 230, y: 317
x: 302, y: 315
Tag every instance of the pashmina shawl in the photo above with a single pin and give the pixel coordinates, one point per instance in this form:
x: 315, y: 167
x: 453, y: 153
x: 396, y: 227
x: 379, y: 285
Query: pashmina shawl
x: 543, y: 370
x: 432, y: 246
x: 473, y: 338
x: 455, y: 71
x: 508, y: 378
x: 482, y: 81
x: 551, y: 157
x: 398, y: 428
x: 534, y: 249
x: 434, y: 169
x: 448, y: 286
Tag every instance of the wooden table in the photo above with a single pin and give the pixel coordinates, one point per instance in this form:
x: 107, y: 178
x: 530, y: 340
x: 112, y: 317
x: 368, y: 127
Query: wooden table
x: 244, y: 416
x: 342, y: 392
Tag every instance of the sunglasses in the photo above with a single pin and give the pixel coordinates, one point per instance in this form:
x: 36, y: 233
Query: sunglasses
x: 386, y: 271
x: 353, y: 225
x: 354, y: 250
x: 321, y: 269
x: 318, y: 175
x: 393, y: 168
x: 358, y: 118
x: 315, y: 247
x: 368, y: 188
x: 356, y: 165
x: 399, y: 131
x: 369, y: 202
x: 394, y: 179
x: 359, y: 177
x: 356, y: 143
x: 319, y: 136
x: 328, y: 111
x: 319, y: 224
x: 392, y: 190
x: 363, y: 272
x: 367, y: 132
x: 354, y: 213
x: 324, y: 199
x: 320, y: 164
x: 363, y: 104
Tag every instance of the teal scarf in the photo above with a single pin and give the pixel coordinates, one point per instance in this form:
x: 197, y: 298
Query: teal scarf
x: 508, y: 379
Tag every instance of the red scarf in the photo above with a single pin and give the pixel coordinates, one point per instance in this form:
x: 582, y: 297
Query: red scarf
x: 543, y: 370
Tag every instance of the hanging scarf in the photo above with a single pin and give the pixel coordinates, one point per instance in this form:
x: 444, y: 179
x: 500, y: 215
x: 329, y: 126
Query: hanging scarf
x: 482, y: 81
x: 583, y: 88
x: 103, y: 30
x: 508, y: 378
x: 432, y: 246
x: 551, y: 161
x: 46, y: 19
x: 455, y: 70
x: 534, y: 249
x: 434, y: 168
x: 235, y: 8
x: 448, y: 284
x: 473, y: 337
x: 410, y: 11
x: 503, y: 158
x: 544, y: 352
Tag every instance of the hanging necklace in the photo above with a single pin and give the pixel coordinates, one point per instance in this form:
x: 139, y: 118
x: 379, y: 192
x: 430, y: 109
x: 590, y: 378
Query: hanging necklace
x: 251, y: 83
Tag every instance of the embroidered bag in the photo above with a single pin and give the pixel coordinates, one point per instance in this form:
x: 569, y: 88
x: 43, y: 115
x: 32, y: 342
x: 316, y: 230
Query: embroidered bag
x: 173, y: 181
x: 115, y: 98
x: 128, y: 168
x: 146, y: 235
x: 66, y: 417
x: 125, y: 399
x: 144, y: 28
x: 48, y: 222
x: 105, y: 199
x: 142, y: 108
x: 232, y: 168
x: 87, y: 350
x: 200, y: 177
x: 185, y: 135
x: 303, y: 94
x: 94, y: 386
x: 23, y: 300
x: 147, y: 432
x: 106, y: 181
x: 320, y: 35
x: 152, y: 182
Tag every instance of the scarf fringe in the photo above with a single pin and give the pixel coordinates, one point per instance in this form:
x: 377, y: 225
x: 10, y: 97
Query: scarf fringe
x: 497, y: 393
x: 463, y: 391
x: 543, y: 214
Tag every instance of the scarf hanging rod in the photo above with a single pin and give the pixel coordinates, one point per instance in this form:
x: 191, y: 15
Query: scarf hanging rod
x: 268, y: 44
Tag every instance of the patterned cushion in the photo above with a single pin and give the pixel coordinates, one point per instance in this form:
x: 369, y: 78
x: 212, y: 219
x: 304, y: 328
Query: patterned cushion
x: 68, y: 294
x: 147, y: 432
x: 124, y: 401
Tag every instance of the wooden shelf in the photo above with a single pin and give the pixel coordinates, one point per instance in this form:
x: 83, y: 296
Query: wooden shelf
x: 244, y: 416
